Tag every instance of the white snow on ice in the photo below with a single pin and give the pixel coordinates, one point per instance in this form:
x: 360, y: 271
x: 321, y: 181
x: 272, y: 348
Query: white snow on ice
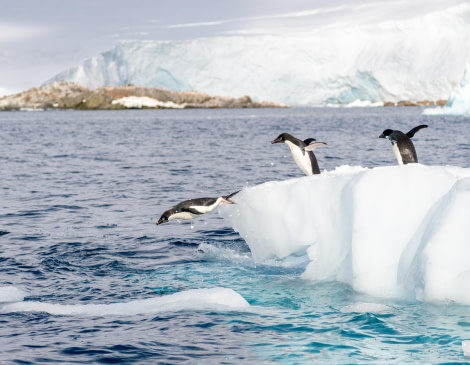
x: 394, y: 232
x: 138, y: 102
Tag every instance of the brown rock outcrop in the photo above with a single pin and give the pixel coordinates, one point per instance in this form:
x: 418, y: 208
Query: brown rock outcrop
x: 68, y: 95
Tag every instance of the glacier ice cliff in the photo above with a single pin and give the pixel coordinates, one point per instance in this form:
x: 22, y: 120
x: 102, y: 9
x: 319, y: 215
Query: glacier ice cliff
x: 415, y: 58
x: 396, y: 231
x: 459, y: 101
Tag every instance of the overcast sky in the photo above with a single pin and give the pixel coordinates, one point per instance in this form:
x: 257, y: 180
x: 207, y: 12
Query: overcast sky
x: 39, y: 39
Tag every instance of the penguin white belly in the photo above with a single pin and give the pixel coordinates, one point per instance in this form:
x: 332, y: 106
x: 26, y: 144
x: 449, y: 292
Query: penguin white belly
x: 301, y: 159
x: 183, y: 215
x: 397, y: 153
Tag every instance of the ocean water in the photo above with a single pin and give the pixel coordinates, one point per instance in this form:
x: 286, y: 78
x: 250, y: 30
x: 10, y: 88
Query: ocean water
x: 87, y: 277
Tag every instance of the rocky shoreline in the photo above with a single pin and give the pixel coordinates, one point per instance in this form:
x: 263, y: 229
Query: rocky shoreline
x: 427, y: 103
x: 68, y: 95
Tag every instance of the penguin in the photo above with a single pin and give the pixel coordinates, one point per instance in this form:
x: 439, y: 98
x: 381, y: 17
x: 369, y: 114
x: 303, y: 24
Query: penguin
x: 302, y: 152
x: 193, y: 208
x: 403, y: 148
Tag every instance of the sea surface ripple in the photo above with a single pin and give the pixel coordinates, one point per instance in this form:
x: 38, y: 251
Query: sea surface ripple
x: 79, y: 197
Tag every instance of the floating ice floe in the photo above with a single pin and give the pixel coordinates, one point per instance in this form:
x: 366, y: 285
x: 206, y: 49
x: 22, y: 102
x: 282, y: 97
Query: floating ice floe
x: 466, y: 347
x: 11, y: 294
x: 190, y: 300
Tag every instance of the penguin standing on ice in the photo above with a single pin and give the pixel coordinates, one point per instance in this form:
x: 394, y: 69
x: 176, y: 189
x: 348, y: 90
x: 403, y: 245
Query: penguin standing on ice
x: 402, y: 147
x: 193, y: 208
x: 302, y: 152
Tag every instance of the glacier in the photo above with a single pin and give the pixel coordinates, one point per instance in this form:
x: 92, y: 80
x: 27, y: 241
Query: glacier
x: 459, y: 101
x: 336, y: 61
x: 392, y: 232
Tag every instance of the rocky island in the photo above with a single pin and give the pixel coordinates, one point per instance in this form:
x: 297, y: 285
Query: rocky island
x: 69, y: 95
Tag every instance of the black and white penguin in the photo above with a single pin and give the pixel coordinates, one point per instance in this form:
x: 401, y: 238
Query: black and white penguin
x: 193, y: 208
x: 302, y: 152
x: 402, y: 147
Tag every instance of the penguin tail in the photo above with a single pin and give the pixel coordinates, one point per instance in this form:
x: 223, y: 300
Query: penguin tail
x: 227, y: 197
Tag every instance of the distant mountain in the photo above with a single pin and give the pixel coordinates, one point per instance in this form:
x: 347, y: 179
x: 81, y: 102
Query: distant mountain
x: 68, y: 95
x: 418, y: 58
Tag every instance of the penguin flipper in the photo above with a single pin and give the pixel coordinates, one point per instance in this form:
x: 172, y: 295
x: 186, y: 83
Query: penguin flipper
x: 314, y: 145
x: 411, y: 133
x: 190, y: 210
x: 307, y: 142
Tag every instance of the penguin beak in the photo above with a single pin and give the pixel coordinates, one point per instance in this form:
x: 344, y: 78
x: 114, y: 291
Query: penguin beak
x: 382, y: 136
x: 277, y: 140
x: 227, y: 201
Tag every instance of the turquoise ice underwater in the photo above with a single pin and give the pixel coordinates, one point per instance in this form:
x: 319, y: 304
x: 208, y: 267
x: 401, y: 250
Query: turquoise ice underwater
x: 366, y: 262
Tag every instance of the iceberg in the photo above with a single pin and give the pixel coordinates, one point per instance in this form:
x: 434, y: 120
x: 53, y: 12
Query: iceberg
x: 390, y: 232
x: 350, y: 55
x: 459, y: 101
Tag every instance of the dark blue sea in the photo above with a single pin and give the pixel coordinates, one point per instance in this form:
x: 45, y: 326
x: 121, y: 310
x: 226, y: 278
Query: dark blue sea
x: 87, y: 277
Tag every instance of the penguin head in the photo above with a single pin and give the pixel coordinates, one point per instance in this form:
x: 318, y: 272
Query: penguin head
x: 386, y: 133
x: 282, y: 138
x: 164, y: 218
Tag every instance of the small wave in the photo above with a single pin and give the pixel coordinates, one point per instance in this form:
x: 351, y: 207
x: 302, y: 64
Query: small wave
x: 366, y: 308
x: 190, y: 300
x: 222, y: 252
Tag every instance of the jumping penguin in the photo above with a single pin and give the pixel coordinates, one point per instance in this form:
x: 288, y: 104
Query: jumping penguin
x: 302, y: 152
x: 193, y: 208
x: 402, y: 147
